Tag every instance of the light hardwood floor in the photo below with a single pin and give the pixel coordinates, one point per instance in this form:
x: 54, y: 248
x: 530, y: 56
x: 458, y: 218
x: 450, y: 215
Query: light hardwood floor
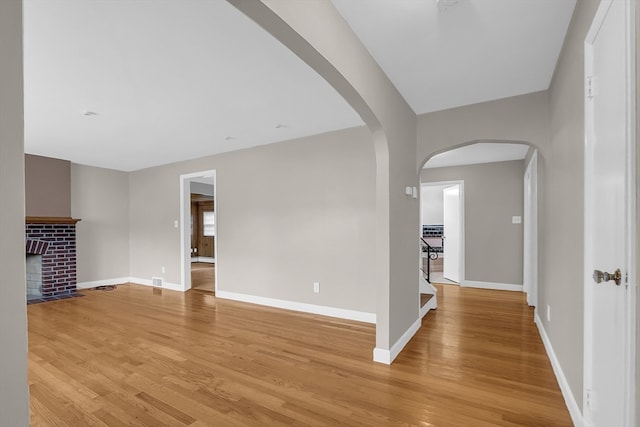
x: 148, y: 357
x: 203, y: 276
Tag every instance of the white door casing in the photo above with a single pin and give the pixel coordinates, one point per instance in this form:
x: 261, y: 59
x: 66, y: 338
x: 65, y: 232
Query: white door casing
x: 530, y: 253
x: 452, y: 232
x: 185, y: 227
x: 609, y: 310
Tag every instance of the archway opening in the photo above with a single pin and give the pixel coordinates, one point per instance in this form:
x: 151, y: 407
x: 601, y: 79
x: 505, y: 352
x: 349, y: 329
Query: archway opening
x: 497, y: 248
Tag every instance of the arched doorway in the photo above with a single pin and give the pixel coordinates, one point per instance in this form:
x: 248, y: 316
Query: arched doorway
x: 498, y: 246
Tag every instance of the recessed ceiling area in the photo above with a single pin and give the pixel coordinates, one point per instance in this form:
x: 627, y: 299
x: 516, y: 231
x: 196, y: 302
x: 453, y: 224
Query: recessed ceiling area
x: 444, y: 54
x: 481, y: 152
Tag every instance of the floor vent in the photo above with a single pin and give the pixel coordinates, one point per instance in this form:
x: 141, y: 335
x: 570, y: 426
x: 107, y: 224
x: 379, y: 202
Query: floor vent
x: 156, y: 281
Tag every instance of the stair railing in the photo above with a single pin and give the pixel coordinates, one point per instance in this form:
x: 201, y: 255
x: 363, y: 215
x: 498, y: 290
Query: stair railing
x: 431, y: 256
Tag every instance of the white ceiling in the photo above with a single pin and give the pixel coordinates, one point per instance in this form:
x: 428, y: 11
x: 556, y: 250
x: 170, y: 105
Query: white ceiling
x: 482, y: 152
x: 470, y: 52
x: 204, y: 180
x: 171, y: 80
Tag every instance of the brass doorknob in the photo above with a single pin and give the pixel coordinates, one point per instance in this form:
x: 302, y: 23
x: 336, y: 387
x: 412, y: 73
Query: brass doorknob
x: 603, y: 276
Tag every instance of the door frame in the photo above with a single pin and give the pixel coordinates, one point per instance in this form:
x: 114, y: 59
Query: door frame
x: 185, y: 226
x: 530, y: 237
x: 461, y: 269
x: 451, y: 196
x: 589, y: 165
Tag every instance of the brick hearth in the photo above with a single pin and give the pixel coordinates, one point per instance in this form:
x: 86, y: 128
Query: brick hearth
x: 55, y: 240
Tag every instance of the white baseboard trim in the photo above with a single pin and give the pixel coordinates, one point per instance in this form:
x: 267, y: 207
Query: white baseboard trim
x: 208, y: 259
x: 105, y: 282
x: 341, y: 313
x: 149, y: 282
x: 121, y: 280
x: 569, y: 398
x: 381, y: 355
x: 491, y: 285
x: 431, y: 305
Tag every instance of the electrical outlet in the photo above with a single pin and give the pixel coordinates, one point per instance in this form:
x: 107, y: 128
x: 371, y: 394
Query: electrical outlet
x: 163, y: 271
x: 591, y: 399
x: 548, y: 313
x: 316, y: 287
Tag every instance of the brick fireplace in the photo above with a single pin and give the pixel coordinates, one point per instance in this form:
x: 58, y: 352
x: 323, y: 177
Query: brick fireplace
x: 51, y: 257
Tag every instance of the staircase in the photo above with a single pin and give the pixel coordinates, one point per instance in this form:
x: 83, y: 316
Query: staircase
x: 428, y: 300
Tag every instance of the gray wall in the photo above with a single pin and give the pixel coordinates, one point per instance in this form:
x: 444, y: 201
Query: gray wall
x: 100, y: 199
x: 493, y: 193
x: 289, y: 214
x: 47, y: 186
x: 523, y: 118
x: 637, y: 379
x: 14, y: 394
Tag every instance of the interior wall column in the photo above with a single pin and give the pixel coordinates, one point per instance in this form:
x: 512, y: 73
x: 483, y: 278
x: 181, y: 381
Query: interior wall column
x: 14, y: 392
x: 316, y: 32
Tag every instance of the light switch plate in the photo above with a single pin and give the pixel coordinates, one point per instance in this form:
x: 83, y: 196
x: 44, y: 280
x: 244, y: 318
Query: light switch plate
x: 516, y: 220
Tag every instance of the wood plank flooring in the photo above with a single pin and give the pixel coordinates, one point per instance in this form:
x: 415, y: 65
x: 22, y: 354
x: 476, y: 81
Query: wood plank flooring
x: 203, y: 276
x: 141, y: 356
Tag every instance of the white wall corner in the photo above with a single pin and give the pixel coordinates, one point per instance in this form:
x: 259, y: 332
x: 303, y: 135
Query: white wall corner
x: 341, y: 313
x: 491, y: 285
x: 381, y: 355
x: 569, y: 398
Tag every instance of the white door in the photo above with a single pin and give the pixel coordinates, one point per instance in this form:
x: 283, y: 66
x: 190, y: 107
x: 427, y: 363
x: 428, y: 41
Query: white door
x: 609, y: 218
x: 452, y: 232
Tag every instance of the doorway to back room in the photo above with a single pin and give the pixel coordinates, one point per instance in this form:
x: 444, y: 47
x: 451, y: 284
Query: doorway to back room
x: 199, y: 230
x: 203, y: 231
x: 441, y: 219
x: 493, y: 221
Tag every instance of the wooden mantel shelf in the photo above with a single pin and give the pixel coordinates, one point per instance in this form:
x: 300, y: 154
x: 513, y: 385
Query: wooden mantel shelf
x: 50, y: 220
